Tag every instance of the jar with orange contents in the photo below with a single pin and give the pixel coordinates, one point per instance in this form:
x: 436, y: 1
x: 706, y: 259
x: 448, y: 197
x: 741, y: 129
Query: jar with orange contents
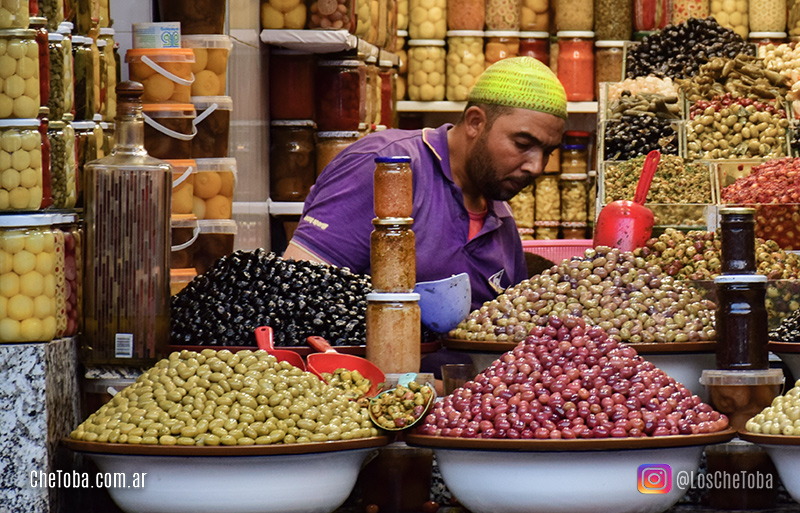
x: 500, y: 44
x: 536, y: 45
x: 576, y: 64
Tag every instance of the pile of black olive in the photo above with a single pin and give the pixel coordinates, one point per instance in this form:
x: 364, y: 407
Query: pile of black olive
x: 634, y: 135
x: 678, y: 51
x: 248, y: 289
x: 789, y: 329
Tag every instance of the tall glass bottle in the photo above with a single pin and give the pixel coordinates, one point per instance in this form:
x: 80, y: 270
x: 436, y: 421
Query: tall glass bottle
x: 127, y: 209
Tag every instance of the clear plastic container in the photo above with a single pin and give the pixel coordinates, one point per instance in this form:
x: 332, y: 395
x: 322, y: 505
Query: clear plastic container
x: 576, y: 65
x: 213, y: 123
x: 732, y: 15
x: 277, y: 14
x: 500, y: 44
x: 214, y: 183
x: 536, y: 45
x: 165, y: 73
x: 573, y: 198
x: 292, y: 163
x: 184, y: 231
x: 217, y: 239
x: 393, y: 187
x: 465, y: 62
x: 534, y: 15
x: 330, y: 144
x: 169, y: 130
x: 548, y: 199
x: 21, y: 173
x: 393, y: 332
x: 393, y: 255
x: 502, y: 14
x: 20, y: 94
x: 465, y: 15
x: 614, y: 19
x: 195, y: 16
x: 741, y: 394
x: 682, y: 10
x: 426, y: 70
x: 291, y: 84
x: 108, y: 81
x: 183, y: 172
x: 63, y: 167
x: 210, y: 66
x: 608, y: 63
x: 574, y: 15
x: 340, y: 94
x: 32, y: 277
x: 428, y: 19
x: 767, y: 15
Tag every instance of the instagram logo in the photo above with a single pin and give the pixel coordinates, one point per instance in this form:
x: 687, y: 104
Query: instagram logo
x: 654, y: 478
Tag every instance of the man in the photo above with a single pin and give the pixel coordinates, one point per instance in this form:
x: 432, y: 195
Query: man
x: 462, y: 176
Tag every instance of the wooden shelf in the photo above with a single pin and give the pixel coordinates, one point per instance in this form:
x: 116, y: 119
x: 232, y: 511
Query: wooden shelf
x: 411, y: 106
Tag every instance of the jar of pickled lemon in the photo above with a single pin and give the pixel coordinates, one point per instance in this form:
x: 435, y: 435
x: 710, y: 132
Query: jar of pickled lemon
x: 19, y: 67
x: 428, y: 19
x: 426, y: 70
x: 465, y: 62
x: 500, y: 44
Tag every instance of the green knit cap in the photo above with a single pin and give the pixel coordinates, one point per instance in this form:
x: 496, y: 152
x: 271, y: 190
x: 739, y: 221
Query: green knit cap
x: 521, y: 82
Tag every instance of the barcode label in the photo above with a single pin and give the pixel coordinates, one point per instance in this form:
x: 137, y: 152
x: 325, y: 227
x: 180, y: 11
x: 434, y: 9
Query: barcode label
x: 123, y: 345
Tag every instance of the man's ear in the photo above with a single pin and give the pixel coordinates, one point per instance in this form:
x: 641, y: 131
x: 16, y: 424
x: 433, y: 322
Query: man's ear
x: 474, y: 121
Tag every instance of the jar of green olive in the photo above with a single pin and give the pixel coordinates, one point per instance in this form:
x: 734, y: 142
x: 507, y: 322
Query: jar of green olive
x: 63, y: 176
x: 393, y: 258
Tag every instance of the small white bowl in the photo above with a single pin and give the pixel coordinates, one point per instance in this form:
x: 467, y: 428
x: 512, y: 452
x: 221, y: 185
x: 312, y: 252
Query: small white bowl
x: 784, y: 451
x: 247, y: 479
x: 444, y: 303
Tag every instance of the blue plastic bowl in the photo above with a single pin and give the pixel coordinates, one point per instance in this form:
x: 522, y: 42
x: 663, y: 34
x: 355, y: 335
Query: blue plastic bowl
x: 444, y: 303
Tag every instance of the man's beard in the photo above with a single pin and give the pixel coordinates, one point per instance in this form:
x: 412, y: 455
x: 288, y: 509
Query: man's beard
x: 483, y: 174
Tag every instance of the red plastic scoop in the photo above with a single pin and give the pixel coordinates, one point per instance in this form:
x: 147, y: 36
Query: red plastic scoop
x: 329, y: 360
x: 625, y: 224
x: 265, y: 342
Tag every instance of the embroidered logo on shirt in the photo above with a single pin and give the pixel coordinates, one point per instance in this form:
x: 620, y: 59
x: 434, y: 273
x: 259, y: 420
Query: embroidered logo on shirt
x: 315, y: 222
x: 494, y: 280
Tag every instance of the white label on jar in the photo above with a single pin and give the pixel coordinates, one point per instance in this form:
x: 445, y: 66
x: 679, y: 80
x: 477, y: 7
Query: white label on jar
x: 123, y: 345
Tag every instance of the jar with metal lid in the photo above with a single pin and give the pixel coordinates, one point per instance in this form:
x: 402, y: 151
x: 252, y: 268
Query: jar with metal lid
x: 293, y: 15
x: 522, y: 207
x: 500, y: 44
x: 614, y: 19
x: 101, y: 77
x: 69, y: 70
x: 292, y: 164
x: 732, y: 15
x: 649, y: 15
x: 19, y: 64
x: 574, y: 15
x: 402, y: 70
x: 426, y: 70
x: 84, y: 78
x: 502, y: 14
x: 373, y: 91
x: 330, y: 144
x: 393, y: 259
x: 573, y: 198
x: 536, y: 45
x: 108, y: 80
x: 40, y: 26
x: 402, y: 15
x: 573, y: 230
x: 576, y: 65
x: 546, y: 230
x: 340, y: 94
x: 21, y: 174
x: 465, y: 62
x: 108, y: 136
x: 427, y: 19
x: 291, y: 84
x: 767, y: 15
x: 213, y: 123
x: 169, y: 130
x: 393, y: 187
x: 534, y: 15
x: 682, y: 10
x: 742, y: 327
x: 63, y: 175
x: 762, y: 39
x: 393, y: 331
x: 52, y: 11
x: 465, y: 15
x: 548, y: 199
x: 607, y: 63
x: 387, y: 74
x: 32, y: 273
x: 574, y: 159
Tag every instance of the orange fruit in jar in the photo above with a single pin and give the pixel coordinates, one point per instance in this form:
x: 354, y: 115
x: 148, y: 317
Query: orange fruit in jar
x: 182, y: 199
x: 228, y: 180
x: 182, y: 69
x: 200, y: 59
x: 140, y: 71
x: 207, y: 184
x: 222, y: 80
x: 205, y: 83
x: 217, y: 60
x: 182, y: 94
x: 158, y: 88
x: 218, y: 207
x: 198, y: 208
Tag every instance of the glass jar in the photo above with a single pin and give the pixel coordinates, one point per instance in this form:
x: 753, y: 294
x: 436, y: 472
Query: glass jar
x: 169, y: 130
x: 20, y: 96
x: 576, y: 65
x: 387, y: 74
x: 165, y: 73
x: 87, y: 14
x: 573, y: 198
x: 293, y: 15
x: 402, y: 70
x: 330, y: 144
x: 428, y: 19
x: 86, y: 150
x: 101, y: 78
x: 69, y: 322
x: 573, y: 230
x: 536, y: 45
x: 793, y: 19
x: 373, y: 91
x: 214, y: 183
x: 69, y: 69
x: 340, y: 94
x: 292, y: 164
x: 546, y: 230
x: 426, y: 70
x: 21, y: 174
x: 53, y: 11
x: 741, y: 322
x: 108, y: 80
x: 761, y: 39
x: 394, y: 192
x: 379, y: 20
x: 682, y: 10
x: 651, y: 14
x: 291, y: 84
x: 213, y: 124
x: 40, y: 26
x: 58, y: 87
x: 17, y: 15
x: 500, y: 44
x: 44, y: 122
x: 574, y: 15
x: 591, y: 197
x: 84, y: 78
x: 502, y: 14
x: 402, y: 15
x: 732, y: 15
x: 547, y: 199
x: 195, y: 16
x: 607, y: 63
x: 465, y: 15
x: 767, y: 15
x: 391, y: 25
x: 108, y: 137
x: 63, y: 176
x: 522, y: 207
x: 183, y: 172
x: 363, y: 16
x: 393, y: 255
x: 738, y: 238
x: 465, y: 62
x: 104, y: 14
x: 534, y: 15
x: 393, y: 332
x: 614, y: 19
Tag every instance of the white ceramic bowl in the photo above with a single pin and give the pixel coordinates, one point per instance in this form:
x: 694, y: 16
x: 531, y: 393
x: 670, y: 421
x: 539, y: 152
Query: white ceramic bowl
x: 789, y: 353
x: 183, y: 480
x: 784, y: 451
x: 558, y: 476
x: 444, y: 303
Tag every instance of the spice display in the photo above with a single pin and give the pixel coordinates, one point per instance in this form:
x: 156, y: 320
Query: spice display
x: 502, y: 14
x: 210, y: 65
x: 576, y: 65
x: 19, y: 63
x: 767, y: 15
x: 195, y: 16
x: 678, y: 51
x: 340, y: 94
x: 351, y: 382
x: 536, y: 45
x: 329, y: 144
x: 733, y: 15
x: 393, y: 255
x: 534, y: 15
x: 302, y: 409
x: 169, y: 130
x: 744, y: 76
x: 393, y: 187
x: 292, y: 161
x: 651, y: 14
x: 292, y: 15
x: 546, y: 370
x: 428, y: 19
x: 426, y: 70
x: 779, y: 417
x: 401, y: 407
x: 682, y: 10
x: 522, y: 207
x: 213, y: 123
x: 675, y: 181
x: 166, y: 74
x: 656, y: 308
x: 548, y: 199
x: 62, y: 165
x: 393, y: 331
x: 465, y: 63
x: 573, y: 198
x: 21, y: 173
x: 214, y: 182
x: 649, y: 84
x: 634, y: 135
x: 248, y: 289
x: 575, y: 15
x: 608, y: 63
x: 614, y: 20
x: 500, y: 45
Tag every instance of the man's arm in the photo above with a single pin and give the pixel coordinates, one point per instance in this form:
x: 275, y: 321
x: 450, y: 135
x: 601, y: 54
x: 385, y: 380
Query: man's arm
x: 295, y: 252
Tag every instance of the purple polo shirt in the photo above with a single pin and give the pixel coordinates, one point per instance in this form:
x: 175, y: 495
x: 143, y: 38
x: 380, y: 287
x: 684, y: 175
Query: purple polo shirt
x: 337, y: 215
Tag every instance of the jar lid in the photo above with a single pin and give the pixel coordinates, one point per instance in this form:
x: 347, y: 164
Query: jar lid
x: 159, y: 54
x: 464, y: 33
x: 183, y: 163
x: 182, y: 221
x: 97, y: 117
x: 393, y: 221
x: 110, y: 32
x: 204, y: 102
x: 17, y: 221
x: 393, y: 160
x: 101, y: 43
x: 293, y: 122
x: 767, y: 35
x: 575, y: 225
x: 730, y: 279
x: 546, y: 224
x: 350, y: 63
x: 592, y: 172
x: 742, y: 377
x: 736, y: 210
x: 55, y: 36
x: 386, y: 297
x: 44, y: 112
x: 576, y: 33
x: 609, y: 44
x: 534, y: 35
x: 501, y: 33
x: 186, y: 108
x: 574, y: 176
x: 24, y: 123
x: 65, y: 27
x: 577, y: 133
x: 219, y: 165
x: 426, y: 42
x: 38, y: 21
x: 105, y: 125
x: 385, y: 63
x: 77, y: 40
x: 207, y: 41
x: 371, y: 59
x: 83, y: 125
x: 402, y: 33
x: 227, y: 226
x: 343, y: 134
x: 574, y: 147
x: 56, y: 125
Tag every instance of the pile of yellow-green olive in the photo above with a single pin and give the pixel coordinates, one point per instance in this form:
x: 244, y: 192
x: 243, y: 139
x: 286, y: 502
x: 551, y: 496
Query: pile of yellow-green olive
x: 223, y: 398
x: 401, y: 407
x: 351, y: 382
x: 782, y: 417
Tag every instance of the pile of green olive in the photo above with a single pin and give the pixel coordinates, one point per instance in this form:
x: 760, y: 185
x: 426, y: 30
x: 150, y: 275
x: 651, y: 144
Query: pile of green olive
x: 351, y: 382
x: 780, y: 418
x: 221, y: 398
